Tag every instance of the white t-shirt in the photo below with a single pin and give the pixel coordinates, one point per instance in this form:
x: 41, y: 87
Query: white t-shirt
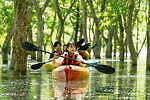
x: 79, y: 57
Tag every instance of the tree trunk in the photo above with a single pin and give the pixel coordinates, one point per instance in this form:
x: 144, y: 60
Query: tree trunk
x: 129, y: 29
x: 77, y: 24
x: 40, y: 26
x: 29, y: 30
x: 6, y: 45
x: 109, y: 43
x: 19, y: 55
x: 96, y: 37
x: 84, y: 20
x: 115, y: 40
x: 121, y: 49
x: 61, y: 18
x: 148, y: 40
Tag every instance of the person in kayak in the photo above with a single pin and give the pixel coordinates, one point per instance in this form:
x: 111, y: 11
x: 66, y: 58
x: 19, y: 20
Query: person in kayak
x: 57, y: 49
x: 70, y: 53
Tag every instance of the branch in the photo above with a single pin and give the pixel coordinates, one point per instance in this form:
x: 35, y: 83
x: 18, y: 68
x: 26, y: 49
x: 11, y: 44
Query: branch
x: 70, y: 8
x: 45, y: 5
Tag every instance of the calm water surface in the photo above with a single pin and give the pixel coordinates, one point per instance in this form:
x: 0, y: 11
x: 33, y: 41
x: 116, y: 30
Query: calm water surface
x: 127, y: 83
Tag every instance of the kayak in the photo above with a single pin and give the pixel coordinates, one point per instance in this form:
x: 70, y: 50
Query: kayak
x: 48, y: 66
x: 85, y: 54
x: 70, y: 73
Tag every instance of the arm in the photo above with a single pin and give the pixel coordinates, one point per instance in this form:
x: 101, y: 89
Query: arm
x: 57, y: 61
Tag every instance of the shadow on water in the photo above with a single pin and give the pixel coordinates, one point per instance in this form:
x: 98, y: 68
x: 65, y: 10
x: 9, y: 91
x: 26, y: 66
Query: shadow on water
x: 127, y: 83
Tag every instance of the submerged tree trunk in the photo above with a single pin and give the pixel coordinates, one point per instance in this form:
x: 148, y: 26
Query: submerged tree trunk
x: 29, y: 30
x: 115, y: 40
x: 109, y: 43
x: 129, y: 29
x: 40, y: 26
x: 148, y: 40
x: 19, y: 55
x: 96, y: 37
x: 121, y: 49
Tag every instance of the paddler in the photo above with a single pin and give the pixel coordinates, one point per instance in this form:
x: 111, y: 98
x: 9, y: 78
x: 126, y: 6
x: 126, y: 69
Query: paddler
x: 76, y: 58
x: 57, y: 49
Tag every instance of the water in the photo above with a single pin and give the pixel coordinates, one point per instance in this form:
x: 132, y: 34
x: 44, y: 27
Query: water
x: 127, y: 83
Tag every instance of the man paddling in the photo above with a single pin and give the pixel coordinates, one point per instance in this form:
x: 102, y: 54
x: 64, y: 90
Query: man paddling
x: 76, y: 59
x: 57, y: 49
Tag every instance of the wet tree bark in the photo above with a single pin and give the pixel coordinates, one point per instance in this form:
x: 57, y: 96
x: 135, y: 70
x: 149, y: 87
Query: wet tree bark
x: 148, y: 40
x: 128, y: 30
x: 19, y: 55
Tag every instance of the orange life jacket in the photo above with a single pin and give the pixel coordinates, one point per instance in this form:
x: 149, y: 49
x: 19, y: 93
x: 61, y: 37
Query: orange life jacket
x: 69, y: 61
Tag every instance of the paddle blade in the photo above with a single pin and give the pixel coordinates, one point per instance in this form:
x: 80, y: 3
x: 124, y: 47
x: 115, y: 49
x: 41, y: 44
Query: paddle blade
x: 29, y: 46
x: 79, y: 43
x: 37, y: 66
x: 105, y: 69
x: 84, y: 47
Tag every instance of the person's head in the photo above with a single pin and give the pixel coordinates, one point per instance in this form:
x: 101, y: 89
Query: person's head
x: 71, y: 48
x: 65, y: 47
x: 57, y: 45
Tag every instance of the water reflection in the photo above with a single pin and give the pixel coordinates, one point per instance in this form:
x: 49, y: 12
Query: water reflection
x: 63, y: 90
x: 14, y: 87
x: 127, y: 83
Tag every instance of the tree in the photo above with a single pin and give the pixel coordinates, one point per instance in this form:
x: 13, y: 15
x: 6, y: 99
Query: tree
x: 148, y: 40
x: 40, y: 25
x: 129, y: 29
x: 19, y: 55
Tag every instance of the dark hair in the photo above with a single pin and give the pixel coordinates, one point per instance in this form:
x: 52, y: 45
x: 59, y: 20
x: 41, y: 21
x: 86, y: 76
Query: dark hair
x: 56, y: 43
x: 70, y: 44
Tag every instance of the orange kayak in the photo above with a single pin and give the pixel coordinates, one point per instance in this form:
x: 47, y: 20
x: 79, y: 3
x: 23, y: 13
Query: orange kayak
x: 70, y: 73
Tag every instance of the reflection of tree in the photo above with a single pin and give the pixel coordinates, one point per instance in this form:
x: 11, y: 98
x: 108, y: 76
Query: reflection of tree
x: 38, y: 87
x: 127, y: 79
x: 15, y: 87
x: 101, y: 85
x: 147, y: 85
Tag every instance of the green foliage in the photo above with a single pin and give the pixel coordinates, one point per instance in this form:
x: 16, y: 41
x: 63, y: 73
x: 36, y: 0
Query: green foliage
x: 6, y: 17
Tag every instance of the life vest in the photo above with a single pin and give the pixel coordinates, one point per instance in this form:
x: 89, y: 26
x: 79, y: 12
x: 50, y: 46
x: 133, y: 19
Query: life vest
x: 69, y: 61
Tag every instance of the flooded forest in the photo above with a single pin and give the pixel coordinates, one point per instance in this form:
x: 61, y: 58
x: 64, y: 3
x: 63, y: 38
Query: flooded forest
x: 75, y: 50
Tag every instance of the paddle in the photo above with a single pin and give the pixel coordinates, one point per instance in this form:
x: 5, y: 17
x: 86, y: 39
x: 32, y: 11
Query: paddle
x: 102, y: 68
x: 39, y: 65
x: 84, y: 47
x: 79, y: 43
